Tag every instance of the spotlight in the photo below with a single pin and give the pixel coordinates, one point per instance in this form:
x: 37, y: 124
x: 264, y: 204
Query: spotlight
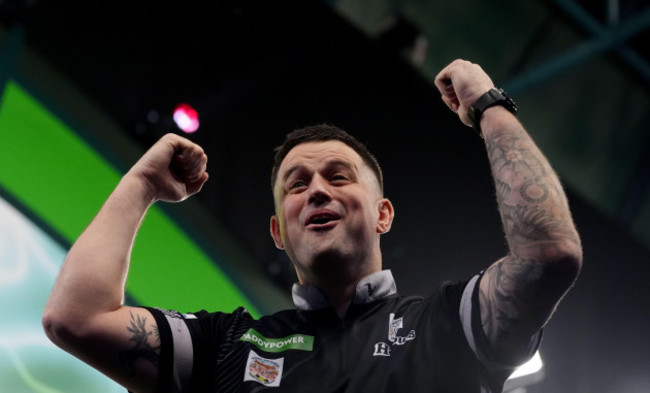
x: 186, y: 118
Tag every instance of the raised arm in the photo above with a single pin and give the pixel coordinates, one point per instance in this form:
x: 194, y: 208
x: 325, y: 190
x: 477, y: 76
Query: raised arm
x: 519, y: 292
x: 85, y: 314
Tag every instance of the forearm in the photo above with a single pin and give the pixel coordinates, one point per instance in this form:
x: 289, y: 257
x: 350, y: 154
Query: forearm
x: 94, y: 272
x: 531, y: 201
x: 520, y: 291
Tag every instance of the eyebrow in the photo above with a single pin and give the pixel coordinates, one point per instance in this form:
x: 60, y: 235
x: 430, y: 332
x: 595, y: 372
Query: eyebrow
x: 289, y: 171
x: 331, y: 163
x: 342, y: 163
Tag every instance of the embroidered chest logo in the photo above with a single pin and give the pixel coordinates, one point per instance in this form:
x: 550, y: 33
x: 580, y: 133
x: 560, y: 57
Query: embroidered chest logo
x: 394, y: 325
x: 300, y: 342
x: 267, y: 372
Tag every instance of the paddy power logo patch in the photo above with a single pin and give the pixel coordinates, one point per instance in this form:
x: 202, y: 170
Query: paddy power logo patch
x: 267, y: 372
x: 300, y: 342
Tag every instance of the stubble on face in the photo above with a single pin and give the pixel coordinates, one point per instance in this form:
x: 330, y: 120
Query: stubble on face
x: 340, y: 252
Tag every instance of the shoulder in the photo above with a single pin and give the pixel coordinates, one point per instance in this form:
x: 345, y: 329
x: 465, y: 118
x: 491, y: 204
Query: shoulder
x: 445, y: 299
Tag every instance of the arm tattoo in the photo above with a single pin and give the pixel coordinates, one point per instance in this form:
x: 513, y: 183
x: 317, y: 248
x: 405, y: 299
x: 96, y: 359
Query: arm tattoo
x: 534, y: 190
x: 503, y: 190
x: 531, y: 201
x: 511, y: 287
x: 509, y: 154
x: 519, y: 294
x: 531, y: 223
x: 142, y: 348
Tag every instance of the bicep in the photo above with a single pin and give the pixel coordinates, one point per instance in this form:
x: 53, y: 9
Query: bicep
x: 123, y: 344
x: 517, y: 296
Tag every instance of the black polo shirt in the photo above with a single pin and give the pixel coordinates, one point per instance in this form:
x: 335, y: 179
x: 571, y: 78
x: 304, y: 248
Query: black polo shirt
x: 385, y: 343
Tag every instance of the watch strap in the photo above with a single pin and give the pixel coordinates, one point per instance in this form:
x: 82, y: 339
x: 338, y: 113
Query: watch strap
x: 494, y: 96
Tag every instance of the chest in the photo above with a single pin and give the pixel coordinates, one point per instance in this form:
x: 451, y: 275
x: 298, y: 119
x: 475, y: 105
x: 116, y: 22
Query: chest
x: 380, y: 350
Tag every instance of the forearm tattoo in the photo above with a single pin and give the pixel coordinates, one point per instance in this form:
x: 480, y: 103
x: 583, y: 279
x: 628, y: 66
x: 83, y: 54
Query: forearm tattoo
x: 535, y: 216
x: 531, y: 200
x: 142, y: 349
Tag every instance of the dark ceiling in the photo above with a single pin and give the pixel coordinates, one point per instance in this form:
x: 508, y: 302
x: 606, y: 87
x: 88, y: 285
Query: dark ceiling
x: 256, y: 70
x: 579, y: 69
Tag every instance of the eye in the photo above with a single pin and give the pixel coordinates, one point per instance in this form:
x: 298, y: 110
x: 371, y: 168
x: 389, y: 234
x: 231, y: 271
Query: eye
x: 339, y: 177
x: 297, y: 184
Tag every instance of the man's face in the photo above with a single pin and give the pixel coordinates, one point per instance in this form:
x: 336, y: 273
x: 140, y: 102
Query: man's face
x: 329, y: 211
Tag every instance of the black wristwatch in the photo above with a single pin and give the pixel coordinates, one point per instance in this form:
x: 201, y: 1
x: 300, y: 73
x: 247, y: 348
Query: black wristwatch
x: 492, y: 97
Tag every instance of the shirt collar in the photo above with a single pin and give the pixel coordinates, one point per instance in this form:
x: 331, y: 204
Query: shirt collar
x: 370, y: 288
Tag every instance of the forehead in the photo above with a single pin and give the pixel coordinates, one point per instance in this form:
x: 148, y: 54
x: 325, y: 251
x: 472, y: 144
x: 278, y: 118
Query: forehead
x: 314, y: 154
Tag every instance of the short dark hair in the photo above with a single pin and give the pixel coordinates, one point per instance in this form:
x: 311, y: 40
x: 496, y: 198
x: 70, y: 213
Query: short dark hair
x: 323, y: 133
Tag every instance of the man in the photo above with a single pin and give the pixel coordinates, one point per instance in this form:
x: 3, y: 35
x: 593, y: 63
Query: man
x: 350, y: 331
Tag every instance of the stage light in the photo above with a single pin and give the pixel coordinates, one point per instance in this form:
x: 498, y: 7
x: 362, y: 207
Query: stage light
x: 527, y: 374
x: 186, y: 118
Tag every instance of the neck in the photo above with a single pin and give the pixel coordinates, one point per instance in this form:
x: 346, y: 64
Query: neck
x: 338, y: 278
x: 339, y: 294
x: 340, y: 298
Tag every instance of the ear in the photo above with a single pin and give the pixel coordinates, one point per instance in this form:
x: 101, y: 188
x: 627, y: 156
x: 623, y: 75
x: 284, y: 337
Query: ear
x: 276, y: 232
x: 386, y: 215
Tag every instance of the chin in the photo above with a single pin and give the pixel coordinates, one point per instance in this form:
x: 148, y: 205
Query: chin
x: 334, y: 266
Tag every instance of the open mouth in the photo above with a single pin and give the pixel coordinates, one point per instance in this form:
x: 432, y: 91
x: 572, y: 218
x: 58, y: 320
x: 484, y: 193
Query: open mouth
x: 322, y: 219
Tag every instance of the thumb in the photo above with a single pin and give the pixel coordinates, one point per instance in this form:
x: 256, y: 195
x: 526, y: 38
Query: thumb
x: 194, y: 187
x: 451, y: 102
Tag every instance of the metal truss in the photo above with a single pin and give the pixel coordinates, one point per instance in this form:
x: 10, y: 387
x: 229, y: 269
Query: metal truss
x: 604, y: 38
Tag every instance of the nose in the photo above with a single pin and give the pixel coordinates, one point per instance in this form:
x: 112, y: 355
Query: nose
x: 319, y: 191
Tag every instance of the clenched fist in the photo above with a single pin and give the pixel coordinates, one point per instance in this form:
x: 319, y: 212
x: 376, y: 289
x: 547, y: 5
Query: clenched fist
x: 461, y: 83
x: 172, y: 169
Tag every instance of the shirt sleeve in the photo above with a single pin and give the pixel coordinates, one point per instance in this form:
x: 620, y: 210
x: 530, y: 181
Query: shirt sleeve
x: 470, y: 316
x: 176, y: 350
x: 191, y: 346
